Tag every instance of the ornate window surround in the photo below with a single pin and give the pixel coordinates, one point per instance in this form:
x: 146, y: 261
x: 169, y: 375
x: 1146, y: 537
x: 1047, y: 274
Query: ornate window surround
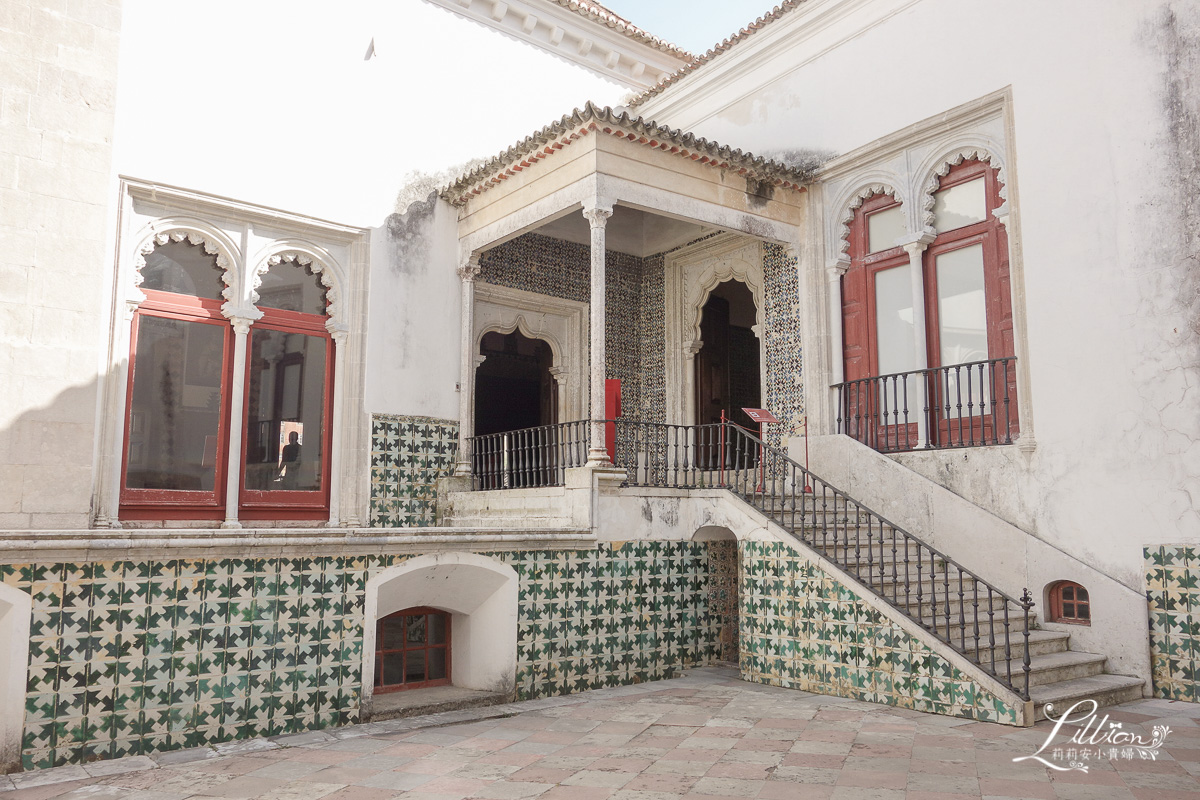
x: 247, y: 240
x: 908, y: 164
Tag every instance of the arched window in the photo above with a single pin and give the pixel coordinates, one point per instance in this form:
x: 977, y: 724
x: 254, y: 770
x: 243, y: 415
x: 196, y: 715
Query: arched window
x: 1069, y: 602
x: 177, y: 420
x: 178, y: 426
x: 412, y: 650
x: 289, y: 379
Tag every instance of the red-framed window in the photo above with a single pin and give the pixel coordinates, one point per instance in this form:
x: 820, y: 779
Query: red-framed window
x: 966, y: 293
x: 1069, y: 602
x: 178, y: 427
x: 412, y: 650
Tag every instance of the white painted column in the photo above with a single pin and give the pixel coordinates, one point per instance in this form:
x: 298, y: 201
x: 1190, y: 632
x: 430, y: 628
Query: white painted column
x: 466, y: 380
x: 837, y: 361
x: 339, y: 335
x: 597, y: 215
x: 1026, y: 442
x: 916, y: 271
x: 237, y: 404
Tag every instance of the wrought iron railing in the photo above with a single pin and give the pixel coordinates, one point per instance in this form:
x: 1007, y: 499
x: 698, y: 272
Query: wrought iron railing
x: 954, y: 604
x: 962, y: 405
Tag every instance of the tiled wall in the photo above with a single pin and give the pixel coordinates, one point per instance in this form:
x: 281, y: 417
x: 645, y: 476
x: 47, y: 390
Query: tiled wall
x: 408, y: 455
x: 1173, y: 591
x: 784, y: 353
x: 133, y: 657
x: 803, y: 630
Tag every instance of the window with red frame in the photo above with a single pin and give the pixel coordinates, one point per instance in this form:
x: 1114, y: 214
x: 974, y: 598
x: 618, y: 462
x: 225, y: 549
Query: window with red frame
x: 412, y: 650
x: 178, y: 426
x: 1069, y: 602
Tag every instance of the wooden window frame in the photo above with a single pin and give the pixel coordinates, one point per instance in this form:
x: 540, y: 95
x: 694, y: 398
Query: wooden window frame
x: 178, y: 504
x: 1055, y: 603
x: 380, y: 653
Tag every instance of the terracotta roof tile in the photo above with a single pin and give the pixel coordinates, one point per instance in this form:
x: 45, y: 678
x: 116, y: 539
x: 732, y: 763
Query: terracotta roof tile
x: 723, y: 47
x: 594, y: 119
x: 594, y: 11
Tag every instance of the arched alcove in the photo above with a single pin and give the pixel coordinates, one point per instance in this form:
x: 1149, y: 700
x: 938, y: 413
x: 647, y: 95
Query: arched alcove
x: 15, y: 609
x: 723, y: 587
x: 480, y: 593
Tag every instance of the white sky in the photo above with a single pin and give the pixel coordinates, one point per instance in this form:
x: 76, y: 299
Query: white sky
x: 271, y: 102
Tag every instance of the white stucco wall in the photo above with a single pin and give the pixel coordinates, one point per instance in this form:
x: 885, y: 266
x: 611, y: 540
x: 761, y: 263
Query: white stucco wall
x: 1103, y: 143
x: 413, y: 333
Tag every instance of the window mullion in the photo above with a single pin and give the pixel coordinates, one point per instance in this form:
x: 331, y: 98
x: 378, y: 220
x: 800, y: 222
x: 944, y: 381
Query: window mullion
x: 237, y: 421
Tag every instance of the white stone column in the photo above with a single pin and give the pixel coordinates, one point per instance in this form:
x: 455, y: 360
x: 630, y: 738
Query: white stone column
x: 919, y: 390
x: 1026, y: 442
x: 111, y: 473
x: 837, y: 360
x: 597, y: 215
x: 237, y: 404
x: 337, y: 438
x: 468, y: 271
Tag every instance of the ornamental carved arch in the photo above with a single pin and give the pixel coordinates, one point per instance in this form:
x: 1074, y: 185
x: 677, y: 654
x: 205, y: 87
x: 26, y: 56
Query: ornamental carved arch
x: 309, y: 256
x: 716, y: 273
x: 933, y: 170
x: 522, y: 325
x: 196, y: 232
x: 852, y: 200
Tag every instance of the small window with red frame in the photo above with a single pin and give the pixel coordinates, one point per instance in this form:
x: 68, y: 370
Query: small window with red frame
x: 412, y: 650
x: 1070, y: 602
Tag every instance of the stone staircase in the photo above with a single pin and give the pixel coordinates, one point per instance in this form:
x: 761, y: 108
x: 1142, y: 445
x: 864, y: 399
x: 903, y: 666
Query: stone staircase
x: 944, y: 600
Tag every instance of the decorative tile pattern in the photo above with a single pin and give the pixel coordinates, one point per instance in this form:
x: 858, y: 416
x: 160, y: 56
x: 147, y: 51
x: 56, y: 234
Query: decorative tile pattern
x: 784, y: 354
x: 801, y: 629
x: 137, y: 657
x: 1173, y: 591
x: 408, y: 455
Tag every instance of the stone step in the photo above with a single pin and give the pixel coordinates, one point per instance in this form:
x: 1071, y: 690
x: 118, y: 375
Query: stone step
x: 1058, y: 667
x: 1106, y: 690
x: 1041, y: 642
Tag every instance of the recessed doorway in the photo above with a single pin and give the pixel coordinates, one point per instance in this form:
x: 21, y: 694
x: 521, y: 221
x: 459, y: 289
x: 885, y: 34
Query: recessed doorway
x: 728, y: 369
x: 513, y: 386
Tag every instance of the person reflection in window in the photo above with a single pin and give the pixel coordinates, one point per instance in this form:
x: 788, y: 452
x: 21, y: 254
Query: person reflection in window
x: 289, y: 462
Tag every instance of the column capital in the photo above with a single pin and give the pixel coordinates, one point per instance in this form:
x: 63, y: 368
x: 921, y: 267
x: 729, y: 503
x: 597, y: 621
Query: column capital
x: 597, y: 213
x: 469, y: 269
x: 917, y: 241
x: 837, y: 267
x: 338, y: 331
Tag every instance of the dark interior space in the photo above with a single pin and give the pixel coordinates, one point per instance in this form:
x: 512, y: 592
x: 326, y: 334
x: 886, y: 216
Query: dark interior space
x: 513, y: 385
x: 728, y: 375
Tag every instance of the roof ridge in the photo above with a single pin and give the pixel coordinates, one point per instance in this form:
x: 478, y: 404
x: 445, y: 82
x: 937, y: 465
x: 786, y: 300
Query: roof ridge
x: 549, y: 139
x: 716, y: 50
x: 610, y: 19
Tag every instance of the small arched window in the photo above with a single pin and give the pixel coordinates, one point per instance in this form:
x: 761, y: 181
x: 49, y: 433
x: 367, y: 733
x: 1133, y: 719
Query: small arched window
x: 412, y: 650
x: 1070, y: 602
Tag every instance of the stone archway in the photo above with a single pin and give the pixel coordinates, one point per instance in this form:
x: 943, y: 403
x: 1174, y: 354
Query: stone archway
x: 16, y: 607
x: 480, y: 593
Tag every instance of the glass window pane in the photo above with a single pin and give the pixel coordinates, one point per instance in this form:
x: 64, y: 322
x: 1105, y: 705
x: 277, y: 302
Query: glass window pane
x: 1068, y: 593
x: 183, y: 268
x: 1085, y: 612
x: 962, y: 311
x: 437, y: 628
x: 415, y: 630
x: 414, y: 666
x: 884, y: 228
x: 437, y: 663
x: 393, y: 669
x: 1069, y: 610
x: 285, y: 411
x: 175, y: 408
x: 894, y: 320
x: 391, y: 633
x: 959, y: 206
x: 1082, y: 593
x: 291, y: 287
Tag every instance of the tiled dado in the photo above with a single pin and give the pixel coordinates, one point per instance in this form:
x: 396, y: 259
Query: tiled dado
x: 135, y: 657
x: 802, y: 629
x: 408, y: 455
x: 1173, y: 592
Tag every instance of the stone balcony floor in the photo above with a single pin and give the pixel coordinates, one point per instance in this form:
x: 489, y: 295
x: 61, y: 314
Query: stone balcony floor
x: 703, y: 735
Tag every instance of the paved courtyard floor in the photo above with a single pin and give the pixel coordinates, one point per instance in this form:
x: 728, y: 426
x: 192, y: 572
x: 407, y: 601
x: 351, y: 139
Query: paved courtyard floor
x: 704, y: 735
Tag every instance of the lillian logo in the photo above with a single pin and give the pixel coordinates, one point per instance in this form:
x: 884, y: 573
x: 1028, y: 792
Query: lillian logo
x: 1095, y: 740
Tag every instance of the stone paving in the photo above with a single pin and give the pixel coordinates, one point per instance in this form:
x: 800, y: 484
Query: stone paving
x: 704, y: 735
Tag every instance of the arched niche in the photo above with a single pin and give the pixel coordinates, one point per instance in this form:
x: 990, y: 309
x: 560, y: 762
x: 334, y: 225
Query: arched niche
x: 481, y: 595
x: 16, y: 607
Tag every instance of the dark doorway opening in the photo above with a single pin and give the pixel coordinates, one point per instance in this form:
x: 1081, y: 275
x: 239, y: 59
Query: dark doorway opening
x: 513, y: 386
x: 728, y: 372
